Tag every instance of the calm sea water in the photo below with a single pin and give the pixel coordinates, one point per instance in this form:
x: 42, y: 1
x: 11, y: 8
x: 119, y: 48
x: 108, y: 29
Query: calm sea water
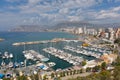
x: 11, y: 37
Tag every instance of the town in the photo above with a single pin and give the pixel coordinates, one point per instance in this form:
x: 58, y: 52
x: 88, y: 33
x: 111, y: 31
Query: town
x: 98, y: 43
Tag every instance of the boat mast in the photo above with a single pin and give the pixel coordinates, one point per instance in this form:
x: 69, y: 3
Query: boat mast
x: 25, y: 61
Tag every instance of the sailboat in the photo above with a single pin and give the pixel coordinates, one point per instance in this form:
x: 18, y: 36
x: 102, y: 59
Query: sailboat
x: 10, y: 64
x: 16, y: 64
x: 3, y: 63
x: 48, y: 55
x: 0, y: 54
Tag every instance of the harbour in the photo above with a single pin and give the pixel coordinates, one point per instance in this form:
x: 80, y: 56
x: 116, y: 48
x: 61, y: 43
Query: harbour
x: 51, y: 55
x: 17, y: 51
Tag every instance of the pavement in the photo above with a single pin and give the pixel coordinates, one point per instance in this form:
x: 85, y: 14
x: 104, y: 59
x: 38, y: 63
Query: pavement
x: 76, y: 75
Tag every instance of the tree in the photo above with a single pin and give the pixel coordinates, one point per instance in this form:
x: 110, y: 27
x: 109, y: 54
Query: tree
x: 116, y: 73
x: 115, y: 51
x: 70, y: 72
x: 103, y: 66
x: 74, y: 72
x: 44, y: 77
x: 6, y: 78
x: 63, y: 73
x: 117, y: 63
x: 52, y: 75
x: 67, y: 73
x: 105, y: 75
x: 22, y: 78
x: 96, y: 68
x: 34, y: 77
x: 117, y: 41
x: 83, y: 63
x: 88, y: 69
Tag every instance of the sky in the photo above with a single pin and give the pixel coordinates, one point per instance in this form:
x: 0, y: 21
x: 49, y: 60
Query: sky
x: 48, y: 12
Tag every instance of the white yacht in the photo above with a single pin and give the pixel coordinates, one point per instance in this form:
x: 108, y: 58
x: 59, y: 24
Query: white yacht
x: 6, y: 54
x: 3, y: 63
x: 51, y: 64
x: 10, y: 64
x: 11, y: 55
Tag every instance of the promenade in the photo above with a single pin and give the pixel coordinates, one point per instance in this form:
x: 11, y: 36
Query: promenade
x: 76, y: 75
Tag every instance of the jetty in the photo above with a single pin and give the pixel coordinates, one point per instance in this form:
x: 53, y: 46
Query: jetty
x: 75, y: 60
x: 45, y: 41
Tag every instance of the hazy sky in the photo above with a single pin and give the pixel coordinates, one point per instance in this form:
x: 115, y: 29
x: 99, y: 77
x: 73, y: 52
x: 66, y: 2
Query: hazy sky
x: 17, y: 12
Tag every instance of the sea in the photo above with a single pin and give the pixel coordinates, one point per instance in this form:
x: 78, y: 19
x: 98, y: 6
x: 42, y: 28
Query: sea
x: 17, y: 51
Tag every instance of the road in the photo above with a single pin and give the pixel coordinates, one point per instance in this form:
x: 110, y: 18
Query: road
x: 76, y: 75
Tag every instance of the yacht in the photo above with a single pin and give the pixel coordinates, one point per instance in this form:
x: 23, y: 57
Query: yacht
x: 6, y: 54
x: 11, y: 55
x: 29, y: 56
x: 16, y: 64
x: 3, y: 63
x: 10, y: 64
x: 63, y: 55
x: 51, y: 64
x: 22, y: 64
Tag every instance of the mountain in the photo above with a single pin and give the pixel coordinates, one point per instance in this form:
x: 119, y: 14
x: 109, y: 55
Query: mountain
x: 85, y: 24
x: 66, y: 24
x: 28, y: 28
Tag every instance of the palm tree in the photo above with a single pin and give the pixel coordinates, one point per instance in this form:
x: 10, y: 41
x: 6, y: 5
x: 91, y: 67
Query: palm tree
x: 52, y: 75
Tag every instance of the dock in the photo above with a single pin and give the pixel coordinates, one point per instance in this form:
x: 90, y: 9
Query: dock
x: 45, y: 41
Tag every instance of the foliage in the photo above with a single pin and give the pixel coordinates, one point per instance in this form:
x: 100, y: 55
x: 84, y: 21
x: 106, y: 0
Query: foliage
x: 22, y: 78
x: 96, y: 68
x: 52, y: 75
x: 88, y: 69
x: 117, y: 41
x: 117, y: 73
x: 83, y: 63
x: 6, y: 79
x: 103, y: 66
x: 117, y: 63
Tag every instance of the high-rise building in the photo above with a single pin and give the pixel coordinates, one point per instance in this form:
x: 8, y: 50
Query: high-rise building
x: 79, y: 30
x: 84, y: 30
x: 91, y: 32
x: 117, y: 34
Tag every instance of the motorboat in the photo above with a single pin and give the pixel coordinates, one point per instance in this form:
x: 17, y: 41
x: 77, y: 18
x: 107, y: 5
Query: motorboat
x: 51, y: 64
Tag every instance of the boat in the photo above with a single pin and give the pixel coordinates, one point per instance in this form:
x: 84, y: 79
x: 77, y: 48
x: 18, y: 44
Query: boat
x: 22, y: 64
x: 51, y: 64
x: 3, y: 63
x: 63, y: 55
x: 16, y: 65
x: 10, y: 64
x: 45, y: 59
x: 11, y: 55
x: 6, y: 54
x: 29, y: 56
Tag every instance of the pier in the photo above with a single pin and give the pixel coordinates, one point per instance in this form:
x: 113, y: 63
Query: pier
x: 45, y: 41
x: 75, y: 60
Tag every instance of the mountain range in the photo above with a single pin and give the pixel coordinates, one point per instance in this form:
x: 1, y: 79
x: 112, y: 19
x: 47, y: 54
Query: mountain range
x: 39, y: 28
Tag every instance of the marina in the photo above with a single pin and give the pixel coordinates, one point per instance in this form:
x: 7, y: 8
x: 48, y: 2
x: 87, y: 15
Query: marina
x: 33, y: 55
x: 83, y: 51
x: 17, y: 51
x: 52, y: 51
x: 75, y: 60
